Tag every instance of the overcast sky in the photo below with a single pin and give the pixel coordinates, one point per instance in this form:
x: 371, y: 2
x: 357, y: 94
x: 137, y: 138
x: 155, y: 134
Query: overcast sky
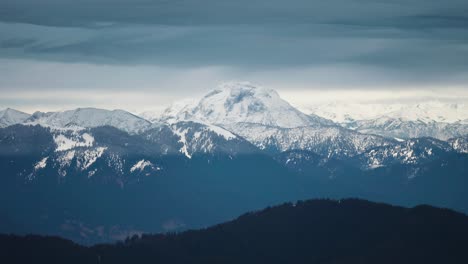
x: 141, y: 54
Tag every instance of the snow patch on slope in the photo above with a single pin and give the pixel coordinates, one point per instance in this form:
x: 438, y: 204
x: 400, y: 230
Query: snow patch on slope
x: 460, y: 144
x: 182, y: 133
x: 410, y: 152
x: 41, y: 164
x: 141, y: 165
x: 330, y: 141
x: 64, y: 160
x: 89, y: 157
x: 220, y: 131
x: 74, y: 140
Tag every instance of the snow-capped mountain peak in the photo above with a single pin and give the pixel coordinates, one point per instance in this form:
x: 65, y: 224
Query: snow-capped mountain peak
x: 243, y: 102
x: 90, y: 117
x: 10, y: 117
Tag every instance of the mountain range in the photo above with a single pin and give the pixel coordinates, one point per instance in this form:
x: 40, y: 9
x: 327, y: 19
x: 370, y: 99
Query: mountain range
x: 313, y: 231
x: 97, y: 175
x: 404, y: 120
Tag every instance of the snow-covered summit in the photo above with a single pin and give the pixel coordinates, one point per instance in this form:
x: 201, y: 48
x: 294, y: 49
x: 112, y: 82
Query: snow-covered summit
x: 10, y: 117
x: 90, y: 117
x: 243, y: 102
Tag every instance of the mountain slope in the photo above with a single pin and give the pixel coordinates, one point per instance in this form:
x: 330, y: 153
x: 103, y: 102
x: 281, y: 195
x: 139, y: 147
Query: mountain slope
x: 413, y: 151
x: 425, y: 110
x: 260, y: 116
x: 328, y: 141
x: 460, y: 144
x: 199, y: 138
x: 102, y: 154
x: 144, y: 183
x: 404, y: 128
x: 314, y: 231
x: 50, y: 177
x: 89, y: 118
x: 10, y: 117
x: 426, y: 118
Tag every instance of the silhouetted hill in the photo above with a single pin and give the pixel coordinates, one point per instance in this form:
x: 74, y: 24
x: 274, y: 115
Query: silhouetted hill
x: 314, y: 231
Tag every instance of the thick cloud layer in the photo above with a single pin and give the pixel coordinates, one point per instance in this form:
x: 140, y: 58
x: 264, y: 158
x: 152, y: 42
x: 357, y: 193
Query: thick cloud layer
x: 392, y: 13
x: 300, y: 43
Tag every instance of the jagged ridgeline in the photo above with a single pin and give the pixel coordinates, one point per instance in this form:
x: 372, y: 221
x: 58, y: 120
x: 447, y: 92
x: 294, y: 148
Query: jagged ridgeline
x: 97, y: 175
x: 314, y: 231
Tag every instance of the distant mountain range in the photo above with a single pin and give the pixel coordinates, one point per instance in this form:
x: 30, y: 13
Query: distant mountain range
x: 423, y: 109
x: 438, y: 119
x: 313, y: 231
x: 97, y: 175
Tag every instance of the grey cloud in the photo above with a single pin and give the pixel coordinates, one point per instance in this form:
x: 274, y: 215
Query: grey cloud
x: 415, y: 41
x: 439, y: 51
x: 194, y: 12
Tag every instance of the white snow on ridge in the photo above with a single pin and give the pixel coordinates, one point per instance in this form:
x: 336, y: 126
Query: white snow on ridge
x: 89, y: 157
x: 406, y: 129
x: 221, y: 132
x: 410, y: 119
x: 227, y: 135
x: 333, y: 140
x: 89, y: 118
x: 426, y: 111
x: 84, y: 158
x: 141, y: 165
x: 88, y: 139
x: 67, y: 143
x: 413, y: 151
x: 169, y: 113
x: 41, y: 164
x: 460, y: 144
x: 10, y: 117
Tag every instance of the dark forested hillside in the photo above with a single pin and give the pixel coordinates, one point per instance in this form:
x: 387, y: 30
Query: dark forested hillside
x: 315, y: 231
x: 101, y: 184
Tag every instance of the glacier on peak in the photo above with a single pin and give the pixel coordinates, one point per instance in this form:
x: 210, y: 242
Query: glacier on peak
x: 242, y: 102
